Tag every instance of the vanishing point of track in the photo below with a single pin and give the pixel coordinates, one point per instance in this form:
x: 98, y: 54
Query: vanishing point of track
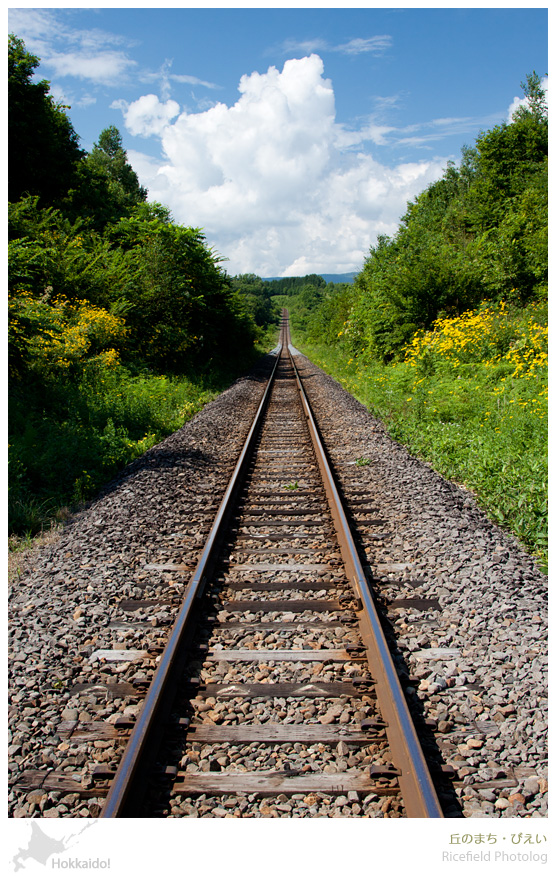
x: 279, y: 566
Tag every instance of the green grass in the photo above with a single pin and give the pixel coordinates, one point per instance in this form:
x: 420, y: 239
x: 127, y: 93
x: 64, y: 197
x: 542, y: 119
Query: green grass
x: 476, y: 424
x: 69, y: 438
x: 63, y: 451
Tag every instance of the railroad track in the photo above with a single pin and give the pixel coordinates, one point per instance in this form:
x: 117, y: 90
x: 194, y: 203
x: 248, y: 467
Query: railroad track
x: 248, y: 684
x: 275, y: 680
x: 277, y: 650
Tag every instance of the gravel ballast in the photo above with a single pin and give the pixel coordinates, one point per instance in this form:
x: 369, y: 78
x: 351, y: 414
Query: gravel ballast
x: 474, y: 667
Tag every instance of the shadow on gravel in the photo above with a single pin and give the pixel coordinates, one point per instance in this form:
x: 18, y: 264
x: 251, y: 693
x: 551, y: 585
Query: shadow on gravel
x: 174, y: 743
x: 159, y: 458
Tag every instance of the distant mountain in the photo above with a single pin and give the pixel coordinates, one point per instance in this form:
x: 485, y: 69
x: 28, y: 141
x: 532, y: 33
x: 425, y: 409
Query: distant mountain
x: 339, y: 278
x: 328, y: 278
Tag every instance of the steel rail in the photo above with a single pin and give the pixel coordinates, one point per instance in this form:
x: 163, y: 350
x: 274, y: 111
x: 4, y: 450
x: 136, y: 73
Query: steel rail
x: 127, y: 787
x: 129, y: 783
x: 418, y: 792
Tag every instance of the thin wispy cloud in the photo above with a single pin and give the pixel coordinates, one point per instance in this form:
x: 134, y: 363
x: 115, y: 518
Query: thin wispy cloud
x: 166, y: 79
x: 387, y: 103
x: 192, y: 80
x: 67, y: 97
x: 103, y: 68
x: 95, y: 55
x: 305, y: 46
x: 95, y: 40
x: 35, y: 25
x: 447, y: 127
x: 420, y: 135
x: 376, y: 45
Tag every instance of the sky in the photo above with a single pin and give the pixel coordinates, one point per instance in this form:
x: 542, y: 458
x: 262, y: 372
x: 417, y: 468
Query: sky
x: 292, y: 136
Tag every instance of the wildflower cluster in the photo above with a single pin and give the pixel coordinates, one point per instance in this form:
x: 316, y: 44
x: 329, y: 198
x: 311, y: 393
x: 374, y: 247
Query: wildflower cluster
x: 528, y: 354
x: 76, y: 332
x: 462, y: 338
x: 490, y: 336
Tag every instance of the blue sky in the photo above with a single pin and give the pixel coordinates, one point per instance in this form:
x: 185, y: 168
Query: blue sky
x: 293, y: 137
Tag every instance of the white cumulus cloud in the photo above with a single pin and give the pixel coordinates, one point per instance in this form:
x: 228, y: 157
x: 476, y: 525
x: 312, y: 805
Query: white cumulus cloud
x: 277, y: 184
x: 148, y: 115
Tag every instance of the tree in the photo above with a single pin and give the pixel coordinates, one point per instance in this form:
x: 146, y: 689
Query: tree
x: 183, y: 312
x: 43, y: 147
x: 536, y: 100
x: 109, y: 158
x: 107, y: 188
x: 257, y: 296
x: 479, y: 233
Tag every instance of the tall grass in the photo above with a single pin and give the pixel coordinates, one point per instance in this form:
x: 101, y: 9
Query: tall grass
x: 66, y: 440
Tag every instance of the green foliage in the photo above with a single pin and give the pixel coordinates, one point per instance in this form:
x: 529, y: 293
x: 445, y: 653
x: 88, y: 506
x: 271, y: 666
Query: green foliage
x: 121, y: 322
x: 180, y: 309
x: 45, y: 158
x: 107, y: 187
x: 257, y: 296
x: 293, y: 285
x: 265, y: 298
x: 43, y: 146
x: 95, y: 324
x: 109, y: 159
x: 100, y: 421
x: 443, y: 334
x: 50, y: 256
x: 478, y: 233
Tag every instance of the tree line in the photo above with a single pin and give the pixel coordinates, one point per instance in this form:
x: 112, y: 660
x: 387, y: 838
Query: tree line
x: 80, y: 228
x: 480, y: 233
x: 109, y: 300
